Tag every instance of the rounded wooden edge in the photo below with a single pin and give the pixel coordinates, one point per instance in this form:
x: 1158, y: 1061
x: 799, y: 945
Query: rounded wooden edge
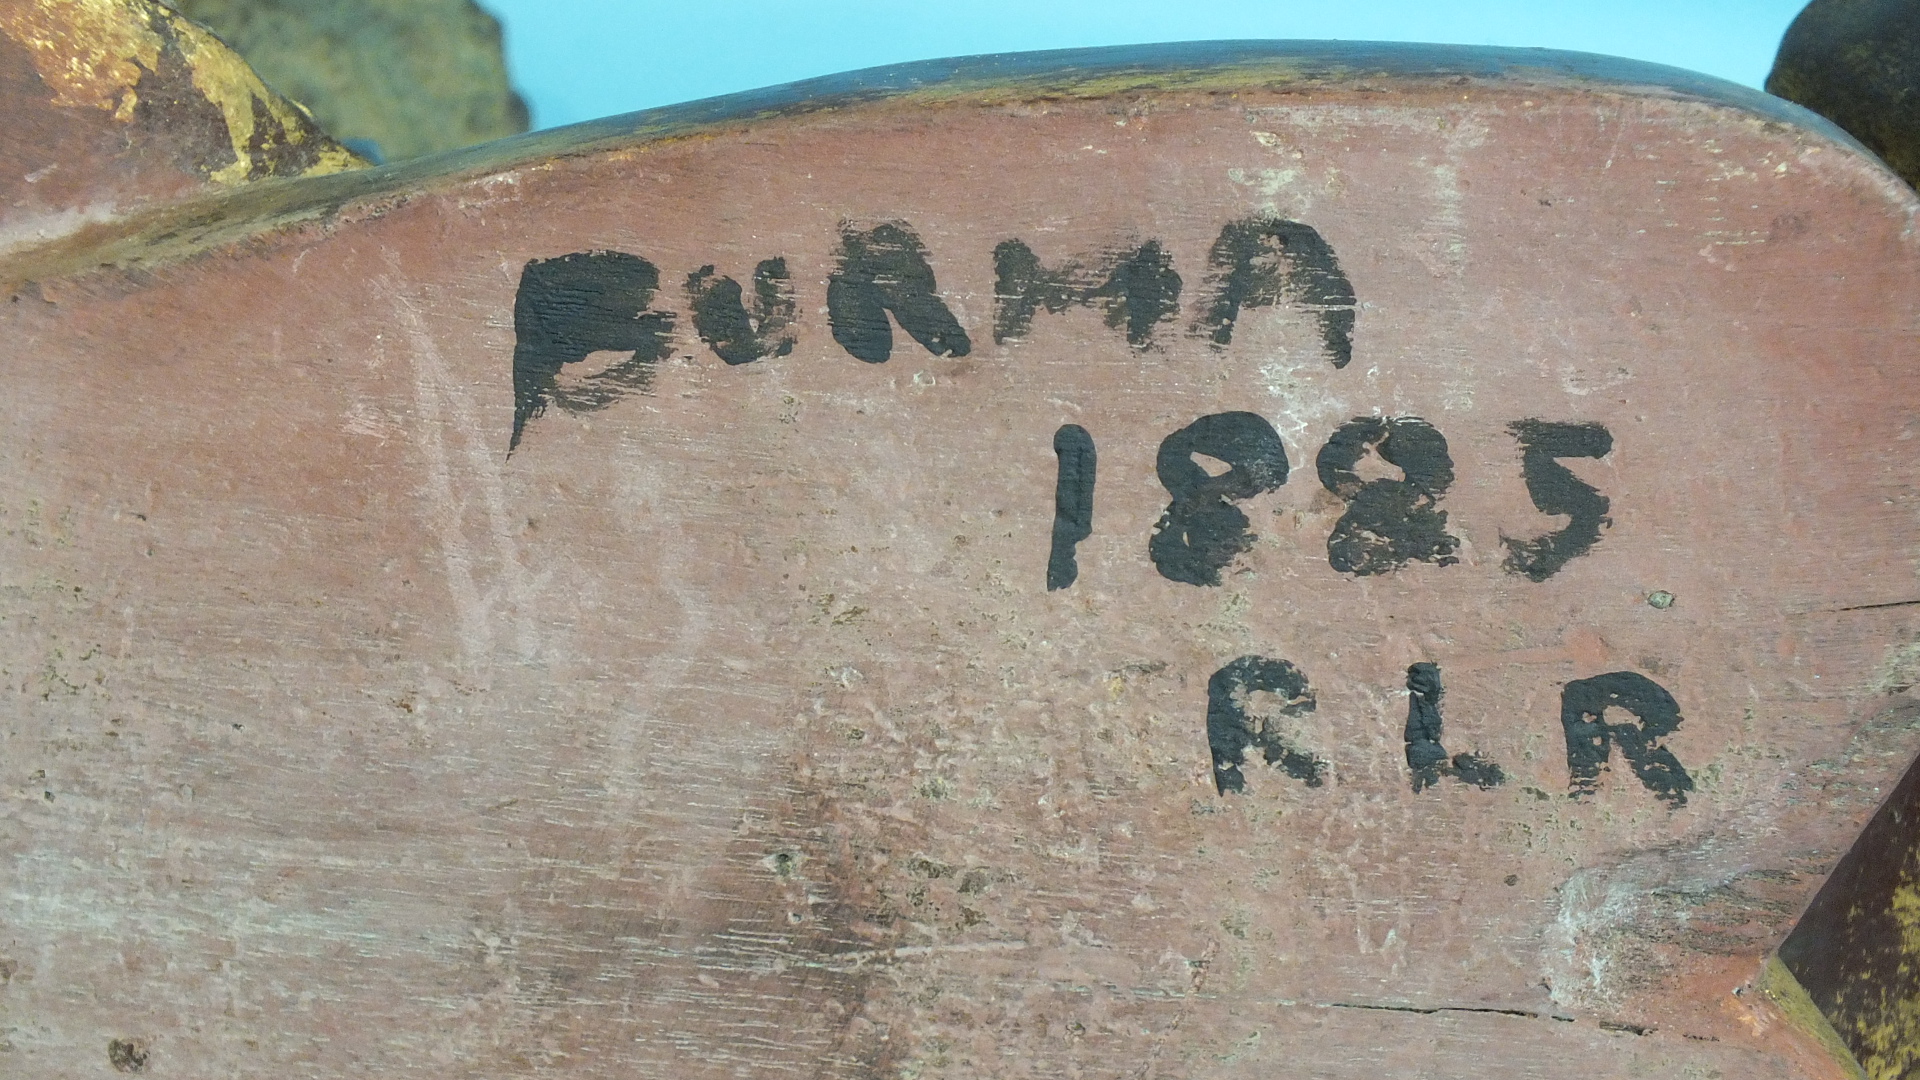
x: 187, y: 228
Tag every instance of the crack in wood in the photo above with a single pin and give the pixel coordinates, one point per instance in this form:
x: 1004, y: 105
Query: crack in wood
x: 1877, y: 607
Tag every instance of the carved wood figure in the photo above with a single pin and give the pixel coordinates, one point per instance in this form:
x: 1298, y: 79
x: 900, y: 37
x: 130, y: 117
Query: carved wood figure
x: 1214, y: 560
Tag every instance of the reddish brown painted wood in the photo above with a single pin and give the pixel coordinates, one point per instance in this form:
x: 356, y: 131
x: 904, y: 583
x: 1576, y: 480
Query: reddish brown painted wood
x: 731, y: 729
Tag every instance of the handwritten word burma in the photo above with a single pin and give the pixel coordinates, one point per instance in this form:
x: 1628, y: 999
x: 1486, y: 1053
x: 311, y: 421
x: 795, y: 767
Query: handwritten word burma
x: 575, y: 305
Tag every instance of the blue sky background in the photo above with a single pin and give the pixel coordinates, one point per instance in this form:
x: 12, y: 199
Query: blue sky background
x: 580, y: 59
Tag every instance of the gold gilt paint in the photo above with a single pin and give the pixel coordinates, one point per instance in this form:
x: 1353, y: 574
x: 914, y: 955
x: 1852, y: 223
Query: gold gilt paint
x: 94, y: 54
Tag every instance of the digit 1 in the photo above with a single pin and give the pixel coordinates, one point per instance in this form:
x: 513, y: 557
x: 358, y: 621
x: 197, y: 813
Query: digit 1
x: 1201, y: 531
x: 1072, y: 503
x: 1388, y: 522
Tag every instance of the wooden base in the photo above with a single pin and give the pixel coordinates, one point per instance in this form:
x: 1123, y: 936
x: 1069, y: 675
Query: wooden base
x: 1322, y: 560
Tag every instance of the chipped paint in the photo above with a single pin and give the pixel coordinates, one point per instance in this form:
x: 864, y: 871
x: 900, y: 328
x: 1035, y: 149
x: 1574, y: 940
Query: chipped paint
x: 95, y: 53
x: 87, y: 51
x: 1305, y: 400
x: 1578, y: 953
x: 224, y: 79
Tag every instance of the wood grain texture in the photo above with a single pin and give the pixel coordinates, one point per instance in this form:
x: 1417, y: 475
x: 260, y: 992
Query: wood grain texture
x: 729, y: 726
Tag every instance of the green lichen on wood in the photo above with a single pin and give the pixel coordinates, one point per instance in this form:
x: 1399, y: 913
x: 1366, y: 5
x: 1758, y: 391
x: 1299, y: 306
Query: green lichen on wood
x: 1856, y: 949
x: 1857, y: 63
x: 410, y: 77
x: 1792, y: 1000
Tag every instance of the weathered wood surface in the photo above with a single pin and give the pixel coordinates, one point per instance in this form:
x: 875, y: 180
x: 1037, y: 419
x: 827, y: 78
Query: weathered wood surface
x: 728, y: 726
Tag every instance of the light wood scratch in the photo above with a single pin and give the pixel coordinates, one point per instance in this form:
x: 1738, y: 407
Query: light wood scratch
x: 441, y: 402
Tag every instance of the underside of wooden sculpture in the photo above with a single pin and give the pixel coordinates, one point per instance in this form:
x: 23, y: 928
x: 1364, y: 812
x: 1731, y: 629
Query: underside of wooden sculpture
x: 1309, y: 558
